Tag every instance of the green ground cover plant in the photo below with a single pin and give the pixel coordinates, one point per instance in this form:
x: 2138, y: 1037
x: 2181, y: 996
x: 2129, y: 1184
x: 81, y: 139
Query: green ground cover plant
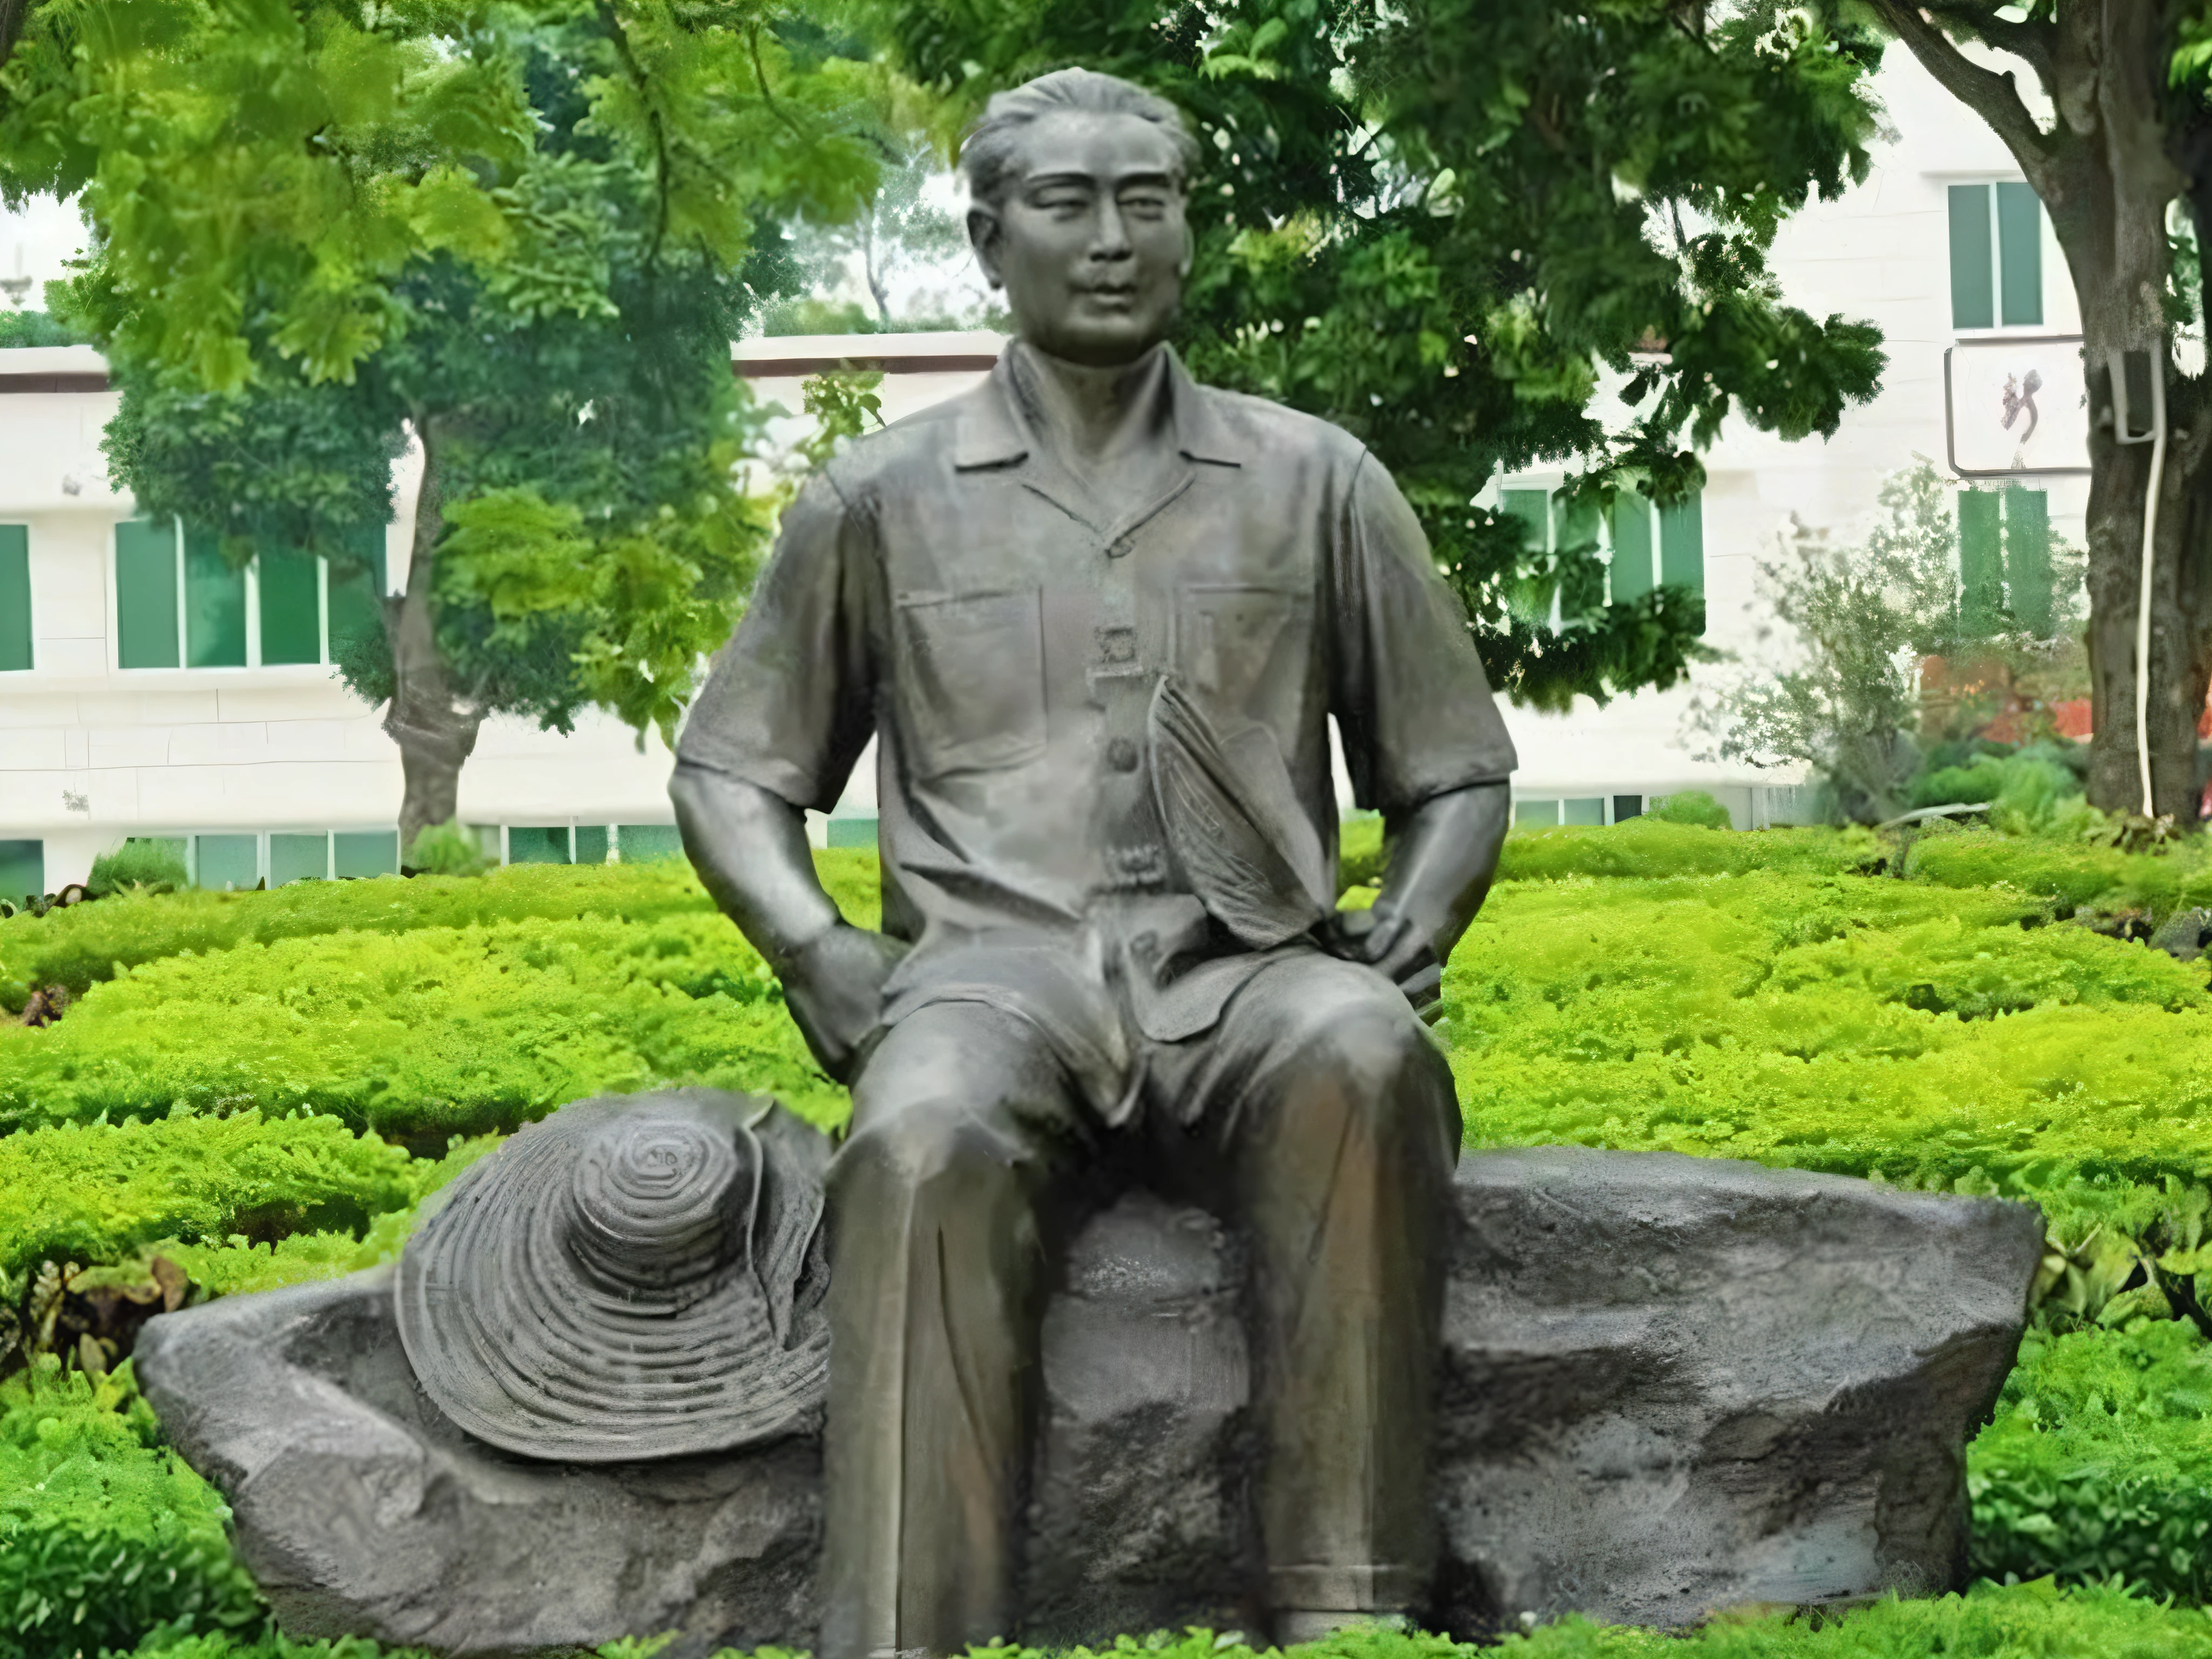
x: 2100, y: 1461
x: 107, y: 1541
x: 82, y: 945
x: 264, y: 1088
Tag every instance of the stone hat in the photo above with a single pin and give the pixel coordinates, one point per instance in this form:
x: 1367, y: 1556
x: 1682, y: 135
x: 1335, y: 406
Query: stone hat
x: 637, y: 1276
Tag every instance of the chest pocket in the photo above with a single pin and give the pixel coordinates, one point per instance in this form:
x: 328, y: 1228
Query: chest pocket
x: 971, y: 680
x: 1246, y: 648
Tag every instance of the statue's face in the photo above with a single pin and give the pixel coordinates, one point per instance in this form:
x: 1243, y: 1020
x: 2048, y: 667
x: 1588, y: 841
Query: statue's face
x: 1089, y: 241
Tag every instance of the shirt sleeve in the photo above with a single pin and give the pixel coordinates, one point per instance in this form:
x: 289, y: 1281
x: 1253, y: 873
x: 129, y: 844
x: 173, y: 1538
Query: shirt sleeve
x: 789, y: 702
x: 1408, y: 691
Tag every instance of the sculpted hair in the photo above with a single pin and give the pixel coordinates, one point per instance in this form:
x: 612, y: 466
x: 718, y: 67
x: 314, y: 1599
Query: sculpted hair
x: 986, y: 156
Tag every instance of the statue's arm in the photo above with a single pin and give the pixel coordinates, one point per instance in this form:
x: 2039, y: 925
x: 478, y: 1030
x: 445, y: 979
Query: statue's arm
x: 749, y: 846
x: 1442, y: 858
x: 1423, y: 738
x: 779, y: 724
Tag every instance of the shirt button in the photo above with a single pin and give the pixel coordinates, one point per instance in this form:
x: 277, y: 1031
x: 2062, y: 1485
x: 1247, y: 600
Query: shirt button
x: 1121, y: 754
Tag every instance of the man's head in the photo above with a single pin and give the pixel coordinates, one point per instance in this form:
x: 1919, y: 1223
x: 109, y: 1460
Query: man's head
x: 1076, y: 186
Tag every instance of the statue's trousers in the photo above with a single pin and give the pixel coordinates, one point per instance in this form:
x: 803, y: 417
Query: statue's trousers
x: 1317, y: 1118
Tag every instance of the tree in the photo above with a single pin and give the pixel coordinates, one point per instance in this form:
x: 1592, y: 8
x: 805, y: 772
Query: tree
x: 1861, y: 623
x: 520, y: 236
x: 900, y: 229
x: 2127, y: 129
x: 1448, y: 225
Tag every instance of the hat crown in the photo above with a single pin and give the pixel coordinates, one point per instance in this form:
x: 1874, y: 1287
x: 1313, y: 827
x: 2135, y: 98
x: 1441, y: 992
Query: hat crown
x: 658, y: 1205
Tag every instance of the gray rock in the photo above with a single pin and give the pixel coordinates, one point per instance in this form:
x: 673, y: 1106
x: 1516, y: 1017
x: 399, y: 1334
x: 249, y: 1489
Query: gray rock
x: 1670, y: 1385
x: 1676, y: 1384
x: 361, y: 1511
x: 2183, y: 934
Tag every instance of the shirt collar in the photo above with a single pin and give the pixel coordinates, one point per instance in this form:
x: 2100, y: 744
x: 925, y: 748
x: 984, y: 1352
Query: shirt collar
x: 992, y: 433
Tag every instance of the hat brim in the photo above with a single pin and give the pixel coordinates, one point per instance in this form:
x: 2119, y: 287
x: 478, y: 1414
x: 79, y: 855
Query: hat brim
x: 518, y: 1346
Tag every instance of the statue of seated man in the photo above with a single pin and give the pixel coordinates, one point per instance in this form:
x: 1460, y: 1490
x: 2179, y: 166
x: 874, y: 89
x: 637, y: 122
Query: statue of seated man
x: 1098, y: 618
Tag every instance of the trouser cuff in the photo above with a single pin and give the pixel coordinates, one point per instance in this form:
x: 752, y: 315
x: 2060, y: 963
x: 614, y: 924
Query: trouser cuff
x: 1344, y: 1589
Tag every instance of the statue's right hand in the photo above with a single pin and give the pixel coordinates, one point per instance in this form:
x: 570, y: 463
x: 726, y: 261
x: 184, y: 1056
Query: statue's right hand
x: 834, y: 990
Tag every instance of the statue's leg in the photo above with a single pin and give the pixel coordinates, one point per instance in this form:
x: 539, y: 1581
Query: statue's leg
x: 1339, y: 1126
x: 963, y: 1123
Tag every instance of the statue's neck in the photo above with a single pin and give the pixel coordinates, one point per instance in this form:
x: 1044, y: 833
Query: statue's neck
x: 1095, y: 419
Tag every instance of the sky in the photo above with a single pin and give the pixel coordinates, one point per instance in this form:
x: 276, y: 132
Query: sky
x: 36, y: 243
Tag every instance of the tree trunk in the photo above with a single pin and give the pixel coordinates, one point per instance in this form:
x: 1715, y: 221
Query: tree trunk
x: 433, y: 725
x: 2106, y: 173
x: 869, y: 267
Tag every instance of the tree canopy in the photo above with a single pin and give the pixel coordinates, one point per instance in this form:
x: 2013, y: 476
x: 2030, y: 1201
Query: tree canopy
x: 1454, y: 226
x: 518, y: 234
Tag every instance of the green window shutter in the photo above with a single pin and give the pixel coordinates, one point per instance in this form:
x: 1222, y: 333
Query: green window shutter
x: 215, y: 606
x: 1582, y: 809
x: 368, y: 853
x: 291, y: 608
x: 1535, y: 814
x: 2027, y: 558
x: 15, y: 603
x: 2020, y: 254
x: 1981, y: 564
x: 591, y: 843
x: 1682, y: 544
x: 22, y: 870
x: 1682, y: 550
x: 1534, y: 508
x: 642, y: 843
x: 224, y: 863
x: 1973, y: 300
x: 1582, y: 575
x: 357, y: 587
x: 1631, y: 547
x: 298, y: 857
x: 145, y: 595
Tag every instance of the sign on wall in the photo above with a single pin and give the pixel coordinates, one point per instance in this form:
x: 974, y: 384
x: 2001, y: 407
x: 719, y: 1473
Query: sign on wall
x: 2016, y: 405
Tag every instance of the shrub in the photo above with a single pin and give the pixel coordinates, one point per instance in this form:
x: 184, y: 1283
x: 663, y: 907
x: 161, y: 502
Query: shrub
x: 2100, y: 1461
x: 447, y: 849
x: 144, y: 866
x: 101, y: 1192
x: 2069, y: 873
x: 1691, y: 806
x: 85, y: 944
x: 1654, y: 847
x: 1866, y: 1027
x: 104, y: 1537
x: 423, y: 1035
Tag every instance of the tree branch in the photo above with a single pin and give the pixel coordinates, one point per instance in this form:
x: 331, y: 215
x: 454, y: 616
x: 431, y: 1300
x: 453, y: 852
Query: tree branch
x: 1991, y: 96
x: 2030, y: 42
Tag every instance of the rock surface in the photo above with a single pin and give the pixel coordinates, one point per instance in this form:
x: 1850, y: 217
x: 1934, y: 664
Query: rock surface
x: 1670, y: 1385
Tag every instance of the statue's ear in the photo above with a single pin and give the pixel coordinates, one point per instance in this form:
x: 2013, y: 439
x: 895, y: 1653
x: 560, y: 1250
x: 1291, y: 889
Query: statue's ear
x: 984, y: 233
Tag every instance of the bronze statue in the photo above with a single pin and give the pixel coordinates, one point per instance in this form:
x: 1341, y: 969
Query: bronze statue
x: 1098, y: 617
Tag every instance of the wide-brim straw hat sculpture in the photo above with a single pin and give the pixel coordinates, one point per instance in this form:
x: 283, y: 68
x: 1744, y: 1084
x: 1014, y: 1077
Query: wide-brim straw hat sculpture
x: 635, y: 1277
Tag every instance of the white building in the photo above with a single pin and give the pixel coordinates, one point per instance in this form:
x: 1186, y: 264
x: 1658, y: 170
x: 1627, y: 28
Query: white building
x: 147, y: 691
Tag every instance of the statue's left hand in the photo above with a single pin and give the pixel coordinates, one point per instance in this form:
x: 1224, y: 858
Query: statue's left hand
x: 1395, y: 945
x: 835, y: 991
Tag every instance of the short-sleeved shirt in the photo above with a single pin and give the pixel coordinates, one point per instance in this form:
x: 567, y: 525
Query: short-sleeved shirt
x: 946, y: 588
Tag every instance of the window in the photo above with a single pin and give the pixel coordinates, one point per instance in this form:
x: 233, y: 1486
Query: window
x: 22, y: 870
x: 2005, y: 577
x: 1574, y: 809
x: 15, y: 602
x: 1996, y: 256
x: 849, y: 832
x: 1644, y: 546
x: 642, y: 843
x: 167, y: 574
